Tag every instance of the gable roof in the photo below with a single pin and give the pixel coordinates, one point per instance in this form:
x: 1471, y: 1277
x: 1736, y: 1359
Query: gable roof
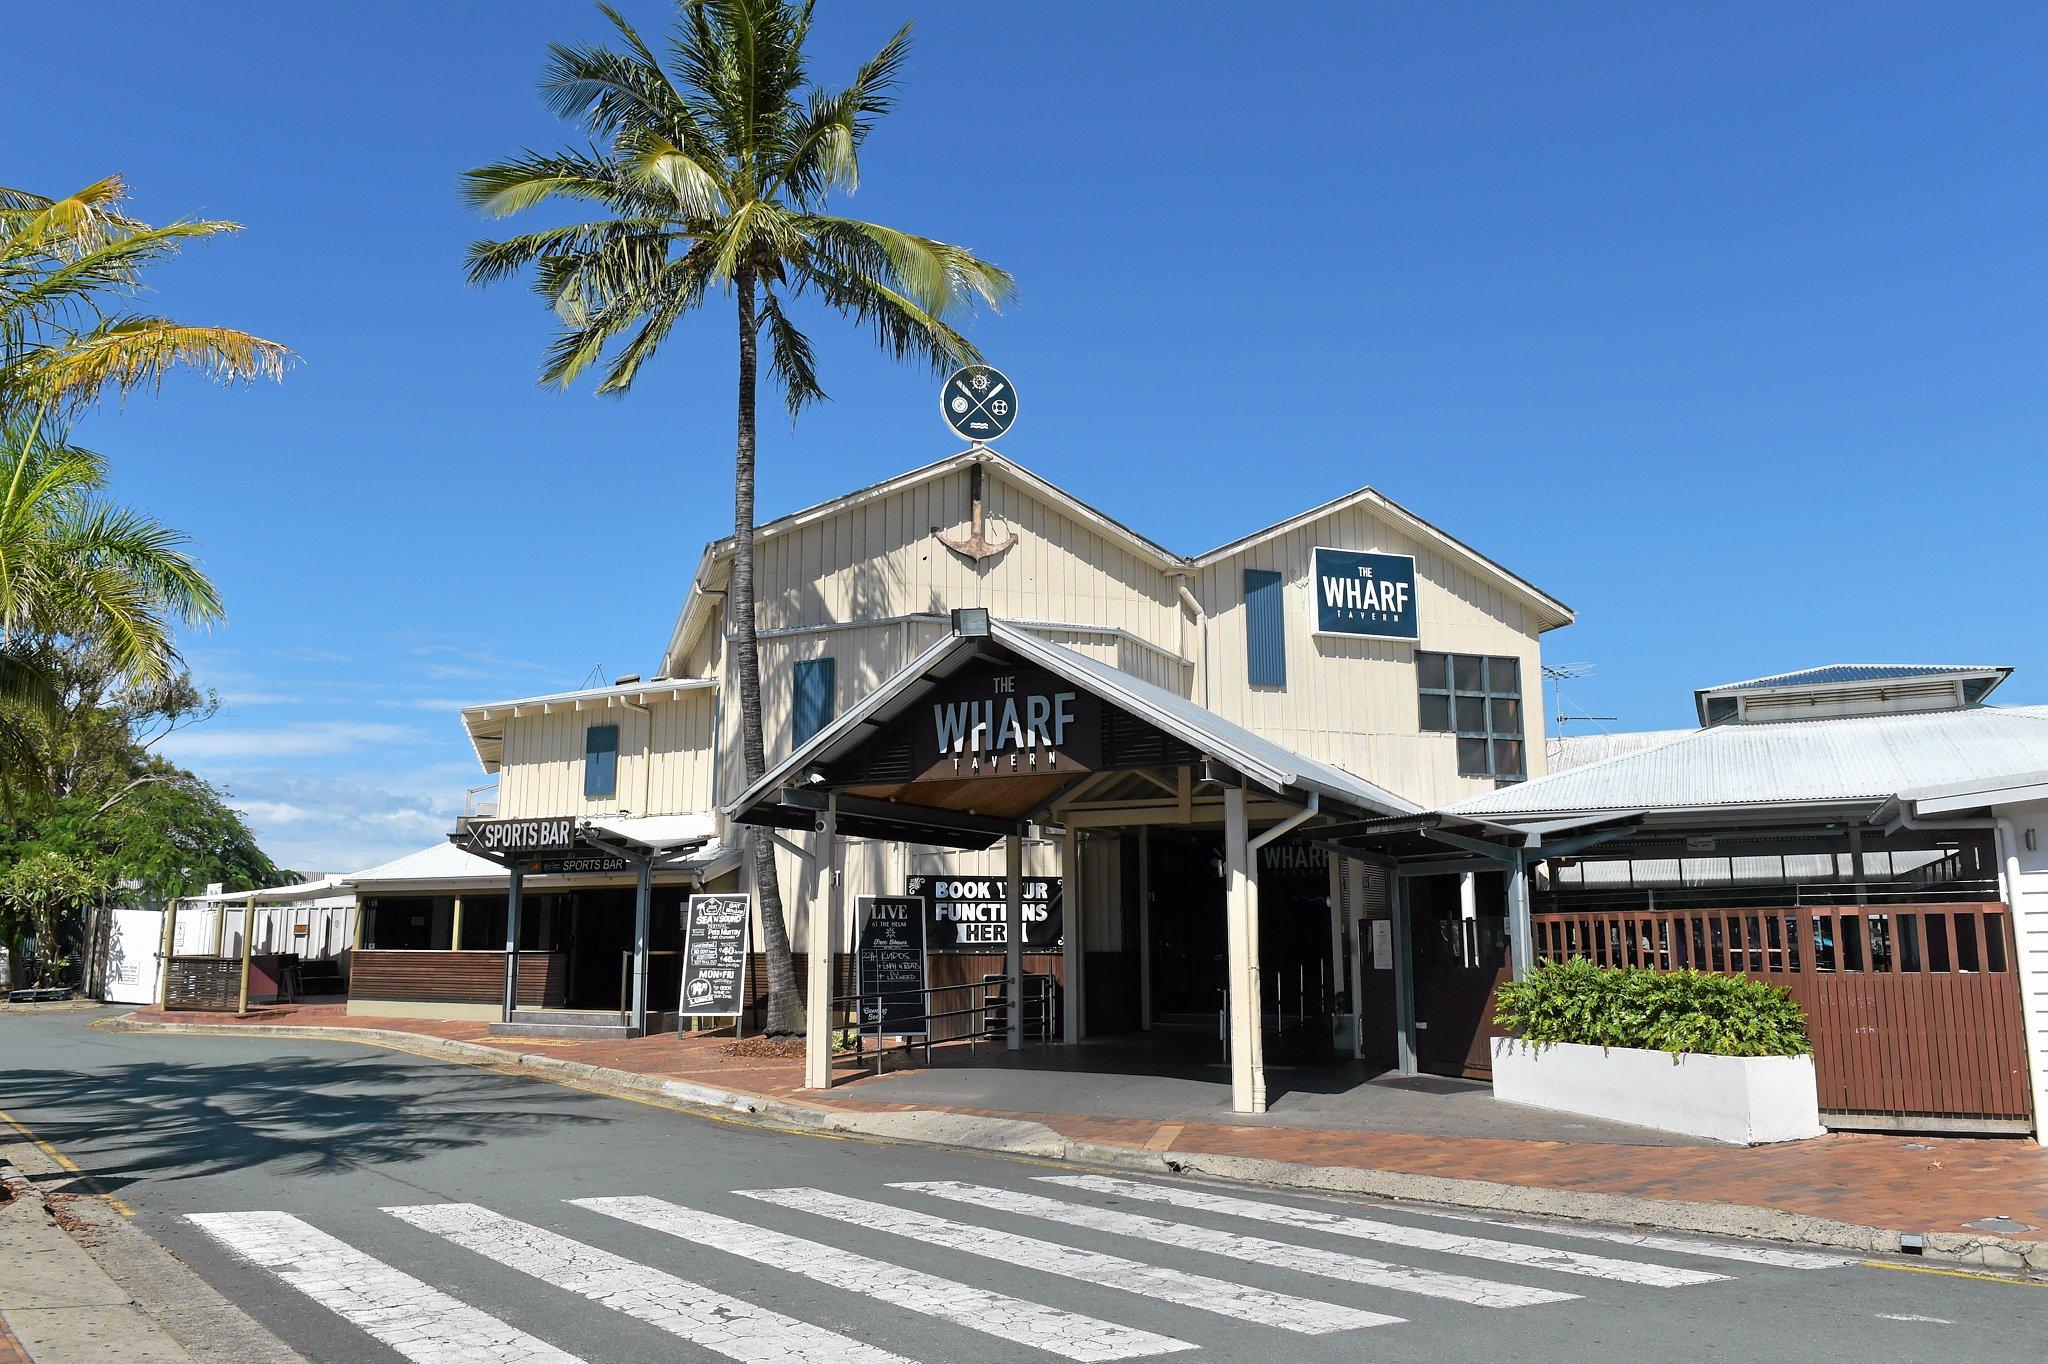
x: 1429, y: 533
x: 1847, y: 760
x: 698, y: 606
x: 1272, y: 765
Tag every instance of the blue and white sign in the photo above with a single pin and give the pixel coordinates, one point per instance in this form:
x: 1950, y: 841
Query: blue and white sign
x: 1365, y: 596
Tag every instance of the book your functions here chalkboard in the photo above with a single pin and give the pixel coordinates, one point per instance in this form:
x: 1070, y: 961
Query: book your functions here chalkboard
x: 890, y: 957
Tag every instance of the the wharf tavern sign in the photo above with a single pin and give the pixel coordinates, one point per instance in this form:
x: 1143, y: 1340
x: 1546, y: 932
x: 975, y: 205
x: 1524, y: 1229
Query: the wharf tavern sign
x: 1363, y: 595
x: 1013, y: 722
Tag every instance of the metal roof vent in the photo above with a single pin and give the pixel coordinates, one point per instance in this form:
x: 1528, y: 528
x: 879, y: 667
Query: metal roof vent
x: 626, y: 679
x: 1845, y: 689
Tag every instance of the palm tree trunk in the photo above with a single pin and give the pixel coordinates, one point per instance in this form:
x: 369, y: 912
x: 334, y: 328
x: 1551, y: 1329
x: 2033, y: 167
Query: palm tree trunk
x: 785, y: 1008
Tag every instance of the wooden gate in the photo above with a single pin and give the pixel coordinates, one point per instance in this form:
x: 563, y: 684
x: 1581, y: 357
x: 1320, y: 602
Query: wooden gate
x: 1914, y: 1010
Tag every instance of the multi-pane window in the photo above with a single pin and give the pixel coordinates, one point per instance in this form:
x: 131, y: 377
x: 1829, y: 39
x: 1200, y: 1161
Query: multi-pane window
x: 811, y: 707
x: 600, y: 762
x: 1479, y: 699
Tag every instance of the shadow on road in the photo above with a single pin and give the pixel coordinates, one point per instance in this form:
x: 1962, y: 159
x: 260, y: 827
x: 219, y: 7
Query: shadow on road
x: 290, y: 1115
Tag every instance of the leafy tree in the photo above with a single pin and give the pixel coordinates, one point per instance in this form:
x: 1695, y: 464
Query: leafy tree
x: 45, y: 888
x: 711, y: 175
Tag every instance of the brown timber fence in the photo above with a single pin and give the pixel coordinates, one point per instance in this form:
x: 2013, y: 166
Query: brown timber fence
x: 1914, y: 1009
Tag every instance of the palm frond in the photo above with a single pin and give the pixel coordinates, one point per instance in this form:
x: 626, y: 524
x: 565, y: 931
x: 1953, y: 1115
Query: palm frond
x: 790, y: 360
x: 125, y: 352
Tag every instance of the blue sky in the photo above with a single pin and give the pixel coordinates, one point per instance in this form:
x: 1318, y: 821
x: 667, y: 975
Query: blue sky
x: 1723, y: 323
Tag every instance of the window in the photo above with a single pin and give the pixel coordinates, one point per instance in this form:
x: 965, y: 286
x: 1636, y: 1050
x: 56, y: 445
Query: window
x: 600, y: 762
x: 1265, y: 631
x: 1479, y: 699
x: 811, y: 708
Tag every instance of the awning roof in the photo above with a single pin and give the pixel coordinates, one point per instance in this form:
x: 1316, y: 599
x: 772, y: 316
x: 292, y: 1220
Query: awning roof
x: 780, y: 797
x: 446, y: 867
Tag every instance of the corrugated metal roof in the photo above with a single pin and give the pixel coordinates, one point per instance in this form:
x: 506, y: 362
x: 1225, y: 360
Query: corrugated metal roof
x: 1576, y: 750
x: 1857, y: 758
x: 1834, y: 674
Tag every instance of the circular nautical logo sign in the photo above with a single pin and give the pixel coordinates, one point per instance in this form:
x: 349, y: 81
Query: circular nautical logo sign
x: 978, y: 403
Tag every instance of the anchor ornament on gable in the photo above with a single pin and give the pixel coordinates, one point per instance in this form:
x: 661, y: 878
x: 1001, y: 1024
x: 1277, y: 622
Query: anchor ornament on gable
x: 974, y: 545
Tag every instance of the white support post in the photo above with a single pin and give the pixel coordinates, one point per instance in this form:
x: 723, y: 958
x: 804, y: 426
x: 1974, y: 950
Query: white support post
x: 820, y: 944
x: 1404, y: 980
x: 1013, y: 939
x: 643, y: 908
x: 512, y: 907
x: 1521, y: 932
x: 1144, y: 928
x: 1070, y: 939
x: 1241, y: 908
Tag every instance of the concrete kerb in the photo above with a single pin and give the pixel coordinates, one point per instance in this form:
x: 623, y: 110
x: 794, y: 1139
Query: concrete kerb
x: 84, y: 1286
x: 1025, y: 1138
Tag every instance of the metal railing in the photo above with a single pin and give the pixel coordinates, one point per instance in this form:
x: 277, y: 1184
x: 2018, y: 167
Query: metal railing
x: 874, y: 1012
x: 626, y: 981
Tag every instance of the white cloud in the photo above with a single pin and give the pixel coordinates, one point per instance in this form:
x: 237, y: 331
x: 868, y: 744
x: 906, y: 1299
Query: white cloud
x: 261, y: 698
x: 329, y: 824
x: 290, y: 741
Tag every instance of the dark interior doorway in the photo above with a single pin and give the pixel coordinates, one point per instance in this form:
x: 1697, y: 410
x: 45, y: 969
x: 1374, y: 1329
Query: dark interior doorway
x: 1190, y: 949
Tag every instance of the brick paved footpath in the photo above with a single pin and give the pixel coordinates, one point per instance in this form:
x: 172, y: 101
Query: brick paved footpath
x: 1923, y: 1183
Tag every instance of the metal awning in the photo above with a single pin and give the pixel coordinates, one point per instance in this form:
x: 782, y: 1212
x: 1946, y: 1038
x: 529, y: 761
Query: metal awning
x: 1435, y: 834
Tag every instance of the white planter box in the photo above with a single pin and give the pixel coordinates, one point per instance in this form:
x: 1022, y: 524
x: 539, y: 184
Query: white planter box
x: 1743, y: 1099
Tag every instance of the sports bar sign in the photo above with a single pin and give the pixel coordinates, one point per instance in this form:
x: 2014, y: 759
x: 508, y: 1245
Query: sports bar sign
x: 1009, y: 722
x: 552, y: 844
x: 1363, y: 595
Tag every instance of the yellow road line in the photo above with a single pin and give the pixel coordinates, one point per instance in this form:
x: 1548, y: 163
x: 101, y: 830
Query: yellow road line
x: 2013, y: 1280
x: 67, y: 1164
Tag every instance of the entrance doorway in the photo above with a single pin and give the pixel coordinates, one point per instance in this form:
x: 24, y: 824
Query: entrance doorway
x: 1461, y: 957
x: 1189, y: 951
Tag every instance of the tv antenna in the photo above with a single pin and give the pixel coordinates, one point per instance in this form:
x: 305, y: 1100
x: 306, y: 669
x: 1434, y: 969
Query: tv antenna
x: 1557, y: 674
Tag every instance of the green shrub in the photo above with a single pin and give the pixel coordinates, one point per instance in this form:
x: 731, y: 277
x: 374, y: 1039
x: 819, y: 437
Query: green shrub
x: 1631, y: 1006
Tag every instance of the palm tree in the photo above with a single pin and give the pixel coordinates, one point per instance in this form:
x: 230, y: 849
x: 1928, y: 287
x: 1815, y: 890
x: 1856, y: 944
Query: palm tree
x: 75, y: 567
x: 712, y: 175
x: 67, y: 268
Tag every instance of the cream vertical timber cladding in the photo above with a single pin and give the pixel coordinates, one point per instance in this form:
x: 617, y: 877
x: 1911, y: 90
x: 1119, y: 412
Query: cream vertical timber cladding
x: 541, y: 772
x: 1354, y: 702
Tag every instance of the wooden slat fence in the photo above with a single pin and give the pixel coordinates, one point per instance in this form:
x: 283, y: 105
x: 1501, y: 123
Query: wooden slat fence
x: 1914, y: 1010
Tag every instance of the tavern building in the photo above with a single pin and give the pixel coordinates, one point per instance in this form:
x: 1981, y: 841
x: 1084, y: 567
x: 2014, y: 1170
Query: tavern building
x: 1290, y: 793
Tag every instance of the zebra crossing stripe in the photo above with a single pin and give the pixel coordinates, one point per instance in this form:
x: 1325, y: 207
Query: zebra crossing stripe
x: 1417, y: 1238
x: 1237, y: 1301
x: 1713, y: 1250
x: 1255, y: 1249
x: 1069, y: 1334
x: 703, y: 1316
x: 419, y: 1322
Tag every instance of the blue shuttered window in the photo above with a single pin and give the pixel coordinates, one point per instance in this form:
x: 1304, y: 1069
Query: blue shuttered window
x: 600, y: 762
x: 811, y: 710
x: 1265, y: 630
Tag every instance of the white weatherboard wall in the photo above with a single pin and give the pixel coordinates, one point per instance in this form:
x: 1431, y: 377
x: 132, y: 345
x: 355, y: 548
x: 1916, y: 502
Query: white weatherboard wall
x: 2029, y: 901
x: 1742, y: 1099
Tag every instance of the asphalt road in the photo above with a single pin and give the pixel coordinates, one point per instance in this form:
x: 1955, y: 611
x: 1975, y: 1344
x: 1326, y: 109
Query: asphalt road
x: 367, y: 1206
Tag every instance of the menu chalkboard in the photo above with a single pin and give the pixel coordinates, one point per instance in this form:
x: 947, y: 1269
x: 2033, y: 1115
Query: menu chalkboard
x: 714, y: 954
x: 891, y: 965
